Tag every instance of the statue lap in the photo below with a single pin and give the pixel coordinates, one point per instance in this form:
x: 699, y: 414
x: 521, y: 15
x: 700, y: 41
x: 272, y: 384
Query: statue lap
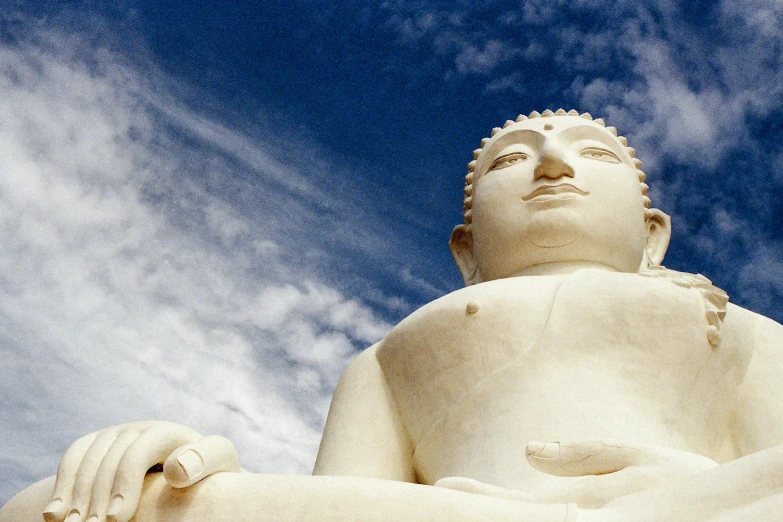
x: 748, y: 488
x: 246, y: 497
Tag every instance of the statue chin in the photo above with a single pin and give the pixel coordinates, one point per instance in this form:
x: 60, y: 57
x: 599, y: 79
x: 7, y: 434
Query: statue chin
x: 552, y: 231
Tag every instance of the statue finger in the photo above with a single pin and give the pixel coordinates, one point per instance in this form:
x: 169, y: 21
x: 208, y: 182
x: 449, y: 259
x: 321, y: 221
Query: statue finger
x: 150, y: 448
x: 590, y: 492
x: 104, y: 477
x: 576, y: 459
x: 595, y: 491
x: 468, y: 485
x: 85, y: 477
x: 598, y: 457
x: 66, y: 477
x: 192, y: 462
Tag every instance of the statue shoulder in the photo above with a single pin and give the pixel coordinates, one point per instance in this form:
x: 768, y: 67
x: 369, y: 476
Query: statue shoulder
x: 758, y: 422
x: 744, y: 329
x: 763, y: 333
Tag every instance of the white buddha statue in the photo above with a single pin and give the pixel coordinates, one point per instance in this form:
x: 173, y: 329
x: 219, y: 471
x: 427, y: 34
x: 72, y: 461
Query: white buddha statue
x: 574, y: 378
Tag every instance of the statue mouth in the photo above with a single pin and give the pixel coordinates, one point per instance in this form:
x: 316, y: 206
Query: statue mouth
x: 555, y: 190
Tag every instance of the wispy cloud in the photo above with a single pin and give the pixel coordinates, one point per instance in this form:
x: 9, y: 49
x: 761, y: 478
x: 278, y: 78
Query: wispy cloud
x: 675, y: 85
x: 472, y: 59
x: 701, y: 104
x: 450, y: 34
x: 161, y: 262
x: 696, y: 88
x: 135, y: 287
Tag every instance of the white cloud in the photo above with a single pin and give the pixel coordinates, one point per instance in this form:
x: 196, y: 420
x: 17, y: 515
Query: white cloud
x: 690, y: 92
x: 681, y: 91
x: 764, y: 16
x: 472, y: 60
x: 760, y: 279
x: 697, y: 89
x: 446, y: 31
x: 425, y: 287
x: 131, y: 290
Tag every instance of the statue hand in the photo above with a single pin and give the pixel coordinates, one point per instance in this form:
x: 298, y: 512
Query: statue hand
x: 101, y: 475
x: 606, y: 469
x: 610, y: 469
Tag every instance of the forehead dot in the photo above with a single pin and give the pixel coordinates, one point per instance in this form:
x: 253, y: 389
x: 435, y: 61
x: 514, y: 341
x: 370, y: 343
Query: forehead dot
x: 548, y: 126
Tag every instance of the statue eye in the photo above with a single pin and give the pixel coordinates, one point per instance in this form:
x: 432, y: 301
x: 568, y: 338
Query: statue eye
x: 508, y: 160
x: 599, y: 154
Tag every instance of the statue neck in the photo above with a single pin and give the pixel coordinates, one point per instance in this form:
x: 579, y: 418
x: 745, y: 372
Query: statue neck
x: 561, y: 267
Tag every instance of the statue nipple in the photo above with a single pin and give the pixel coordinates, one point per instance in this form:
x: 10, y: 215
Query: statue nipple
x: 472, y: 307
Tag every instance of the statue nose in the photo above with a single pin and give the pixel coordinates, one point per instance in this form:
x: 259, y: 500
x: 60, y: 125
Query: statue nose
x: 552, y: 166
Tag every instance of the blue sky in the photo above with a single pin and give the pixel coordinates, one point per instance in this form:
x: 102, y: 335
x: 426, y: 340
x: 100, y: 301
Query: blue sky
x: 209, y: 207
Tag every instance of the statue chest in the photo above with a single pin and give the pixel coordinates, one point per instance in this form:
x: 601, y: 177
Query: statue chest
x: 480, y: 372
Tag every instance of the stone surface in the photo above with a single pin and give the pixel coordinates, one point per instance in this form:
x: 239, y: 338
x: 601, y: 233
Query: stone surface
x: 573, y: 378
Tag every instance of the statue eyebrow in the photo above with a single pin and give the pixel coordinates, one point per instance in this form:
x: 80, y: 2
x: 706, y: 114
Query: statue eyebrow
x: 511, y: 139
x: 597, y: 135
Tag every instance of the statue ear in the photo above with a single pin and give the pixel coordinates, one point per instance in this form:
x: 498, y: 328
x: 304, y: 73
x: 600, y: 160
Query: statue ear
x: 659, y: 232
x: 461, y: 245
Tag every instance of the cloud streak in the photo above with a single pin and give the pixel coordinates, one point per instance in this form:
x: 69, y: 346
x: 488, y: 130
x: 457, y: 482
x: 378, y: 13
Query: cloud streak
x: 162, y: 262
x: 696, y: 89
x: 135, y: 289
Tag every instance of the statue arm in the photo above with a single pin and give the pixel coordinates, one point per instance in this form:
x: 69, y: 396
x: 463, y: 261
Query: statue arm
x: 364, y: 435
x: 758, y: 422
x: 364, y: 441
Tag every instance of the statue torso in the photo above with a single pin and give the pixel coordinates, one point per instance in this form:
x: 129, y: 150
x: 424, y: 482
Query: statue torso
x: 591, y: 355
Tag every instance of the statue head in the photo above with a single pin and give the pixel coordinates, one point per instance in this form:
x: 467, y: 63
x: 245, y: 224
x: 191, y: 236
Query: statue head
x: 556, y: 189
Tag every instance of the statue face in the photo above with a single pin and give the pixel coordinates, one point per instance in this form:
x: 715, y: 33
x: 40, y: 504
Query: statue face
x: 556, y: 189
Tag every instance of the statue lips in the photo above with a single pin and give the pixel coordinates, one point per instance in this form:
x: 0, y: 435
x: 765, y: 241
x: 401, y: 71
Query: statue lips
x: 555, y: 190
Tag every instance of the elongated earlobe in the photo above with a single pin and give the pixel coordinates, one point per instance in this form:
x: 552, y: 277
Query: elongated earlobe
x: 461, y: 245
x: 659, y: 232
